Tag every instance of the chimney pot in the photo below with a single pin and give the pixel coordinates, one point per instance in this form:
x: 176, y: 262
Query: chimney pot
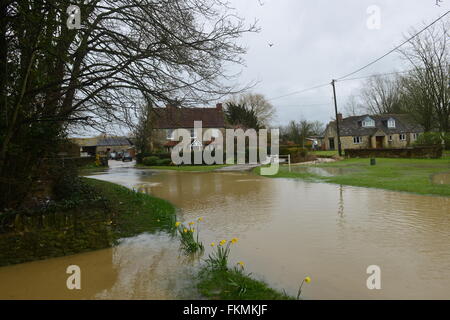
x: 339, y: 116
x: 219, y: 106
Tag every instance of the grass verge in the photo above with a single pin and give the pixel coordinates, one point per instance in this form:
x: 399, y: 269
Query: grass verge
x: 410, y: 175
x: 93, y: 218
x: 235, y: 285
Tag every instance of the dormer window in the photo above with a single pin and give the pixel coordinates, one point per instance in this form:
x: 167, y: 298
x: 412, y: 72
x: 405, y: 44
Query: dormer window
x: 391, y: 123
x: 368, y: 122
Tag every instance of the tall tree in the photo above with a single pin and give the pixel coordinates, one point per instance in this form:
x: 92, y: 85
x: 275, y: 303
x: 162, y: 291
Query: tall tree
x: 240, y: 115
x: 126, y: 50
x: 429, y: 81
x: 264, y: 110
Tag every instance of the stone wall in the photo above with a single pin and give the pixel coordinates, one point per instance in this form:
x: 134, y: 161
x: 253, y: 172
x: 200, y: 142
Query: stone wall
x: 425, y: 152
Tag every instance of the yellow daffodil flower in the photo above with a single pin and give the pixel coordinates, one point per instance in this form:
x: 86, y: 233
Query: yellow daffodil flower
x: 222, y: 242
x: 192, y: 230
x: 307, y: 279
x: 212, y: 244
x: 177, y: 224
x: 191, y: 223
x: 200, y: 219
x: 241, y: 263
x: 234, y: 240
x: 185, y: 230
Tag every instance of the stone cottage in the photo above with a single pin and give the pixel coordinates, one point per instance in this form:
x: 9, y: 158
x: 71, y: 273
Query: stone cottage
x: 372, y: 131
x: 166, y: 120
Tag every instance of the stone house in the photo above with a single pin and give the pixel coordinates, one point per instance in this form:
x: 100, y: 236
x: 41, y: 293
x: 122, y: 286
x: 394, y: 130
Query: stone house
x: 166, y: 120
x: 372, y: 131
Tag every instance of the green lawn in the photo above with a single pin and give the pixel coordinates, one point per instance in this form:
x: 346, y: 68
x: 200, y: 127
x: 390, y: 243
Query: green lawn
x: 203, y: 168
x: 410, y: 175
x: 134, y: 212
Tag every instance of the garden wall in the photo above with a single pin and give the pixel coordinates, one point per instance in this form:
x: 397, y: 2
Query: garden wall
x: 425, y: 152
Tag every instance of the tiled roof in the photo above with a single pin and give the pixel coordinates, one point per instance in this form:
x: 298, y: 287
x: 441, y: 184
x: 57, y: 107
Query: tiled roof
x: 180, y: 117
x: 351, y: 126
x: 113, y: 141
x: 102, y: 141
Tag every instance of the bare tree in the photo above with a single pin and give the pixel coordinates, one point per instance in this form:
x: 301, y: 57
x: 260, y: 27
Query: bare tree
x: 429, y: 55
x: 381, y: 95
x: 353, y: 107
x: 298, y: 131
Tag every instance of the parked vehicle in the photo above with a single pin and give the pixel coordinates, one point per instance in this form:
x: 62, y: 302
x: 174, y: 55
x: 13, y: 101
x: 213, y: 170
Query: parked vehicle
x: 113, y: 155
x: 127, y: 157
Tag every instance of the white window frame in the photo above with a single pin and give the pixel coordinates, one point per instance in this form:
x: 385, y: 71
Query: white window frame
x: 357, y: 139
x: 402, y: 135
x: 390, y: 138
x: 169, y: 134
x: 415, y: 136
x: 391, y: 123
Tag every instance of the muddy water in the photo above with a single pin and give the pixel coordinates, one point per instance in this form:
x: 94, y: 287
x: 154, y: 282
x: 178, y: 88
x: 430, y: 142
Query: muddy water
x: 287, y: 229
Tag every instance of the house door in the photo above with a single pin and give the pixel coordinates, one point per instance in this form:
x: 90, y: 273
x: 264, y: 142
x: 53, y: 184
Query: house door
x: 379, y: 141
x: 331, y: 142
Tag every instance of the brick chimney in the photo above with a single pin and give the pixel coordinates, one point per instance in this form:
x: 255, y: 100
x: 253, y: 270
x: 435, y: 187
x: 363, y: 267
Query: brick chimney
x: 219, y: 106
x: 339, y: 117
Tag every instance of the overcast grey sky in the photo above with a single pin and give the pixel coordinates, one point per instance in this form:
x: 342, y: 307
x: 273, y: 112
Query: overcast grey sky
x: 317, y: 40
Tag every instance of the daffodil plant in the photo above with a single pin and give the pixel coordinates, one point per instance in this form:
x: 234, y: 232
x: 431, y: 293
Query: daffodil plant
x: 218, y: 259
x: 305, y: 280
x: 189, y: 237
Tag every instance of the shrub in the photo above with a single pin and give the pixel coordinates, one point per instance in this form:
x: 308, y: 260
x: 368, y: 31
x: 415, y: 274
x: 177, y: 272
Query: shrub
x: 163, y: 162
x: 297, y: 154
x: 150, y: 161
x: 433, y: 138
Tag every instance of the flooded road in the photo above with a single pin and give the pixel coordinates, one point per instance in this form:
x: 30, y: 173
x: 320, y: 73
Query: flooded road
x: 287, y: 229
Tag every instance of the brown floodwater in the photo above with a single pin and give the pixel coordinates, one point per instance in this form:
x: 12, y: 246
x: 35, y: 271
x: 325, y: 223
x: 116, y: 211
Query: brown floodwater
x: 287, y: 229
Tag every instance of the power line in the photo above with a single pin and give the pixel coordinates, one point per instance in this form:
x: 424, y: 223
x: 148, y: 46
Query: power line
x: 364, y: 67
x: 300, y: 91
x: 307, y: 105
x: 376, y: 74
x: 391, y: 51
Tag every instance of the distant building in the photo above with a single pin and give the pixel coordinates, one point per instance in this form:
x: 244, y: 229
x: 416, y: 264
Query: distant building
x: 103, y: 145
x: 372, y: 131
x: 167, y: 119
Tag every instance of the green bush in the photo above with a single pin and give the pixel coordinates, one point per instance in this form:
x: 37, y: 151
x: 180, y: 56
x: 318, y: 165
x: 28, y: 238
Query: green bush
x: 163, y: 162
x: 433, y: 138
x: 150, y: 161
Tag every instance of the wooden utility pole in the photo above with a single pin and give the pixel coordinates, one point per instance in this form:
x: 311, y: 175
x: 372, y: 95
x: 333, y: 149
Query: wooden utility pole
x: 337, y: 119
